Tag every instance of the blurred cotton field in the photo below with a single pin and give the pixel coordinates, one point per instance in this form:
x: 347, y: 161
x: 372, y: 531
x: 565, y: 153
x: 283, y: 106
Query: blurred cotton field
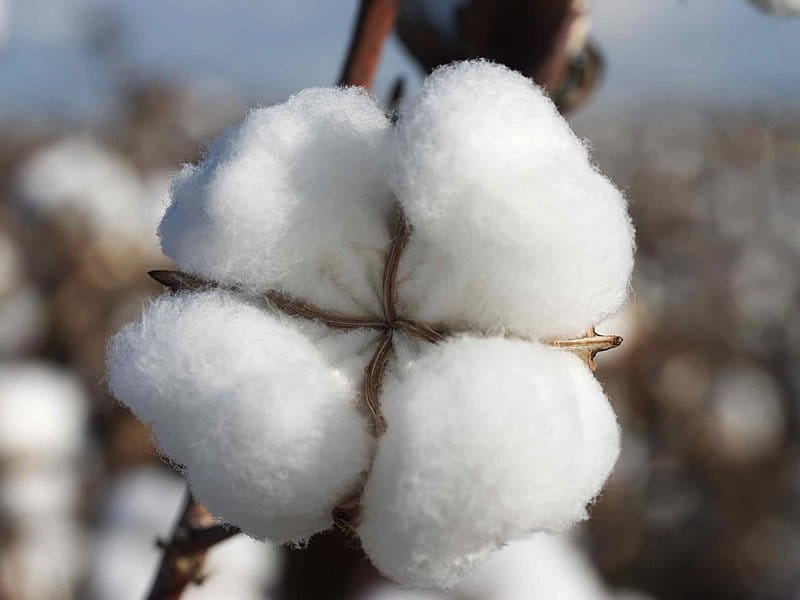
x: 104, y: 100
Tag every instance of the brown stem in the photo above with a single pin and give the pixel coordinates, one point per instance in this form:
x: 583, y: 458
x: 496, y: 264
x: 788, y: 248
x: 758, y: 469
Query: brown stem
x: 398, y: 244
x: 185, y: 551
x: 296, y: 308
x: 375, y: 21
x: 373, y: 376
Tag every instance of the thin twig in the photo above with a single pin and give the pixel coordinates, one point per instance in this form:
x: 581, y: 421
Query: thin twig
x: 375, y: 21
x: 185, y: 551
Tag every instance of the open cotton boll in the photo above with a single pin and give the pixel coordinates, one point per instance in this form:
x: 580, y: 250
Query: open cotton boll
x: 543, y: 566
x: 43, y: 412
x: 267, y: 429
x: 783, y: 8
x: 488, y: 440
x: 294, y: 199
x: 513, y: 227
x: 78, y: 176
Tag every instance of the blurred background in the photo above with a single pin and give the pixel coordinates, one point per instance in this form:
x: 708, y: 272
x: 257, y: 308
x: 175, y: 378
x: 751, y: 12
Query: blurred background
x: 691, y: 106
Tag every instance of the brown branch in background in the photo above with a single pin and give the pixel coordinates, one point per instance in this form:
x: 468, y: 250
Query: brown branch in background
x: 185, y: 552
x: 545, y: 40
x: 374, y: 24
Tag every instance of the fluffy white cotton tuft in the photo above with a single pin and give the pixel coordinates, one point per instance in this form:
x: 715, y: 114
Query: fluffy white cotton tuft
x: 268, y: 431
x: 543, y: 566
x: 514, y: 227
x: 294, y: 198
x: 43, y: 413
x: 782, y: 8
x: 488, y: 440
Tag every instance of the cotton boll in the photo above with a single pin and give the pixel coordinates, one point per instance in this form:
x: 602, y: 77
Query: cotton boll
x: 267, y: 428
x: 292, y: 199
x: 80, y: 177
x: 543, y: 566
x: 43, y: 412
x: 238, y: 568
x: 746, y: 407
x: 513, y: 227
x: 35, y: 496
x: 783, y: 8
x: 122, y: 567
x: 48, y: 561
x: 488, y: 440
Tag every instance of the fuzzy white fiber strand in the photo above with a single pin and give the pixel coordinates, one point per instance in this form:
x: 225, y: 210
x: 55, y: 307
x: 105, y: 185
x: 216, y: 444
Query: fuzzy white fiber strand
x: 292, y: 199
x: 514, y: 228
x: 267, y: 429
x: 488, y: 440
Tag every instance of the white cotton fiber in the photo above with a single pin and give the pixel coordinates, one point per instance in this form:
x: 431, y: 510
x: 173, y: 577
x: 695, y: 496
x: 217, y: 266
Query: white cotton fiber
x: 43, y: 413
x: 541, y: 567
x: 783, y: 8
x: 514, y: 227
x: 488, y: 440
x: 294, y: 198
x: 78, y: 177
x: 267, y: 429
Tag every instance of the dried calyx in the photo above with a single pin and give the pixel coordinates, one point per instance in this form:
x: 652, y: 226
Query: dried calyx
x: 587, y: 347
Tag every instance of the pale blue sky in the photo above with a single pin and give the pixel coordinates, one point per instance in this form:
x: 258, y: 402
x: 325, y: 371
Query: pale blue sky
x: 717, y: 50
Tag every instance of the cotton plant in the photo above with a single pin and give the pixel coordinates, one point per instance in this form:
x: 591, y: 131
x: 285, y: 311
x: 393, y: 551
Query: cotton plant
x: 388, y: 327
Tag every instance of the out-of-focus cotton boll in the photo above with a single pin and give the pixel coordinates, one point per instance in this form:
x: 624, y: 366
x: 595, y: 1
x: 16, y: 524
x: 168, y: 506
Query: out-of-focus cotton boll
x: 78, y: 177
x: 543, y: 566
x: 141, y: 506
x: 239, y: 568
x: 139, y: 500
x: 488, y: 440
x: 764, y: 295
x: 122, y: 567
x: 267, y: 429
x: 502, y: 196
x: 42, y: 412
x: 746, y: 407
x: 782, y: 8
x: 47, y: 562
x: 294, y: 199
x: 34, y: 496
